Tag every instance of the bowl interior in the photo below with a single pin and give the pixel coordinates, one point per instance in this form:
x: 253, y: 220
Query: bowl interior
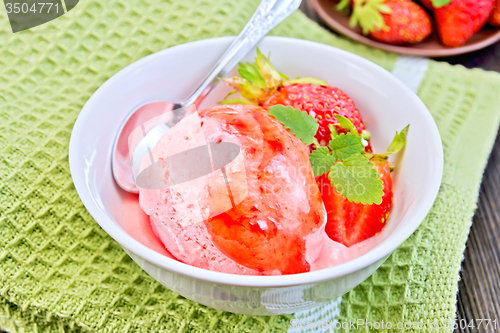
x: 385, y: 103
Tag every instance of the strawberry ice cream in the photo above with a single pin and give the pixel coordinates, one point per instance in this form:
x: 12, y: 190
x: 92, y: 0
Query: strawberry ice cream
x: 259, y: 214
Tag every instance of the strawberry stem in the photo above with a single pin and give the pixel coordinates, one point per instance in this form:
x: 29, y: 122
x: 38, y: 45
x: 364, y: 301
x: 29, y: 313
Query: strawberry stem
x: 368, y: 13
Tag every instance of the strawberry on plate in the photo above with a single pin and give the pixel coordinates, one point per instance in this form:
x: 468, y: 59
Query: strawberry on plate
x: 495, y: 14
x: 458, y: 20
x: 390, y: 21
x: 262, y: 84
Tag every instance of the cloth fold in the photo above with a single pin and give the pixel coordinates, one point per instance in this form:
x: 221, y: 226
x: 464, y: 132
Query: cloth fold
x: 60, y: 272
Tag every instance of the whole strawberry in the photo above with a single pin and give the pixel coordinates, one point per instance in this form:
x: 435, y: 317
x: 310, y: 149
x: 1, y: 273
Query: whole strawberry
x: 392, y: 21
x: 348, y: 179
x: 349, y: 222
x: 262, y: 84
x: 495, y: 15
x: 458, y: 20
x: 321, y: 102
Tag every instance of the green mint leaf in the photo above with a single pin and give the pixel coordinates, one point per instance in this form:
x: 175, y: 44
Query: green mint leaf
x: 440, y: 3
x: 357, y: 180
x: 398, y: 142
x: 344, y: 146
x: 321, y: 161
x: 345, y: 123
x: 299, y: 123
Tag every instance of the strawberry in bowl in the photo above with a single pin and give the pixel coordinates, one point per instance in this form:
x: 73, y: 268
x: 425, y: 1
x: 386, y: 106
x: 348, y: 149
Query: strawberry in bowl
x: 262, y: 84
x: 357, y: 206
x: 351, y: 222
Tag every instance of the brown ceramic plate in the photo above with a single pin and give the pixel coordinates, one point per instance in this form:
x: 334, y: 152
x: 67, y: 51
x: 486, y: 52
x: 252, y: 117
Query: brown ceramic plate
x: 431, y: 47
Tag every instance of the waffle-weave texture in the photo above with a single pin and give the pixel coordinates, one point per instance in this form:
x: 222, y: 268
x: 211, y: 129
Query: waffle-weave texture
x: 60, y: 272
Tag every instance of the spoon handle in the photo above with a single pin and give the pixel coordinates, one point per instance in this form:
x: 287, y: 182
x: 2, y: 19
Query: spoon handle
x: 267, y: 16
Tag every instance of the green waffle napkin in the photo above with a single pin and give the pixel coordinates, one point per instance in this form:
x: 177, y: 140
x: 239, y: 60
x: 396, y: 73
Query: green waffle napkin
x: 60, y: 272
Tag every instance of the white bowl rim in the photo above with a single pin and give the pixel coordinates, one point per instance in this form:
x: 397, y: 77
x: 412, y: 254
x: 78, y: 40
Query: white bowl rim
x: 382, y: 250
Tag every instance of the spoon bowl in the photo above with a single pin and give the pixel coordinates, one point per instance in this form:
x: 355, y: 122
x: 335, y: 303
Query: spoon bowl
x: 151, y: 120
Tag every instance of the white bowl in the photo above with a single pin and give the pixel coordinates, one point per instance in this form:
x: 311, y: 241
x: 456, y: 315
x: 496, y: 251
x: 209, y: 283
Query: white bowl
x: 385, y: 103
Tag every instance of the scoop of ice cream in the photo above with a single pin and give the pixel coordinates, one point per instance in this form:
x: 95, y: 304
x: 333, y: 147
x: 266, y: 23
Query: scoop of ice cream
x: 260, y: 213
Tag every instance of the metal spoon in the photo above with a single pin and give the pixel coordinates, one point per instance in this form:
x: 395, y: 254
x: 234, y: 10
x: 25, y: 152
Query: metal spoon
x: 267, y: 16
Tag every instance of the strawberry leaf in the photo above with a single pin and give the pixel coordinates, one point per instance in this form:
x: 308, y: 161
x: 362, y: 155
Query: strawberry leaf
x: 333, y: 131
x: 345, y: 123
x: 246, y: 88
x: 321, y: 161
x: 299, y: 123
x: 440, y: 3
x: 357, y: 180
x: 366, y: 135
x: 284, y: 76
x: 271, y: 76
x: 344, y: 146
x: 368, y: 14
x: 230, y: 93
x: 343, y: 5
x: 250, y: 68
x: 250, y: 73
x: 250, y: 77
x: 398, y: 142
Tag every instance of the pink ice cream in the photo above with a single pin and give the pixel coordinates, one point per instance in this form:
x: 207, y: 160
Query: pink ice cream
x: 259, y: 214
